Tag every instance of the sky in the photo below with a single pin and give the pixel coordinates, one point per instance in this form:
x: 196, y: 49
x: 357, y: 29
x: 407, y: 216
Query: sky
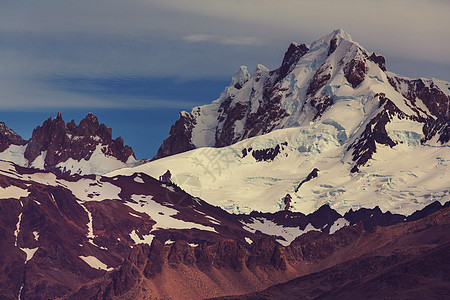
x: 137, y: 63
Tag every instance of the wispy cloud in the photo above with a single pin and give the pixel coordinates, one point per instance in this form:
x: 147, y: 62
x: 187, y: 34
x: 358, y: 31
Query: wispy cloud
x: 195, y: 39
x: 234, y: 40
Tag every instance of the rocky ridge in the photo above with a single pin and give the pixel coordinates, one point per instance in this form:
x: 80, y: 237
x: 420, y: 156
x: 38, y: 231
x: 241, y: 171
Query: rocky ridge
x: 79, y: 237
x: 67, y: 147
x: 309, y: 82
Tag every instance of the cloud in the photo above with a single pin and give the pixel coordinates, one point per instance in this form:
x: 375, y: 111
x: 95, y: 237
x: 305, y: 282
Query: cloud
x: 235, y: 40
x: 412, y: 28
x: 195, y: 39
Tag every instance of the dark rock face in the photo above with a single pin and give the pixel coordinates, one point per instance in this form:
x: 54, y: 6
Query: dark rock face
x: 439, y: 127
x: 365, y: 146
x: 268, y: 115
x: 436, y: 102
x: 373, y: 217
x: 405, y: 261
x: 355, y: 72
x: 8, y: 137
x: 63, y: 141
x: 325, y: 217
x: 321, y: 104
x: 269, y: 153
x: 319, y: 80
x: 225, y: 134
x: 314, y: 173
x: 179, y: 139
x: 434, y: 99
x: 269, y: 112
x: 291, y: 58
x: 401, y: 276
x: 333, y: 46
x: 379, y: 60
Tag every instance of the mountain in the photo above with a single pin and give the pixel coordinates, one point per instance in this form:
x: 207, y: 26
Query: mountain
x: 311, y: 83
x: 86, y: 148
x: 371, y: 137
x: 325, y: 178
x: 59, y: 231
x: 8, y: 137
x: 352, y: 262
x: 91, y: 237
x: 405, y: 262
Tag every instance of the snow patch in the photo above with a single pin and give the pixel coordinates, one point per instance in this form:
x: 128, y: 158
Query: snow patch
x: 95, y: 263
x: 29, y: 253
x: 97, y: 190
x: 162, y: 215
x: 99, y: 163
x: 17, y: 231
x: 13, y: 192
x: 134, y: 215
x: 138, y: 179
x: 90, y: 235
x: 39, y: 162
x: 249, y: 240
x: 271, y: 228
x: 15, y: 154
x: 145, y: 239
x: 338, y: 224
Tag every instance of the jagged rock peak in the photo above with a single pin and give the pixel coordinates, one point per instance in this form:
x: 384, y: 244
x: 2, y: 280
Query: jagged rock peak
x: 240, y: 77
x: 338, y: 35
x: 9, y: 137
x: 6, y: 132
x: 291, y: 58
x: 60, y: 142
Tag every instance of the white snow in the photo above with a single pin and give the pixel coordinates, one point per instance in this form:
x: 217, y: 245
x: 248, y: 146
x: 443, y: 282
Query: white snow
x: 17, y: 231
x: 145, y: 239
x: 15, y: 154
x: 249, y: 240
x: 134, y: 215
x: 20, y: 292
x: 84, y: 189
x: 338, y: 224
x: 401, y: 179
x: 39, y: 161
x: 90, y: 235
x: 36, y: 235
x: 213, y: 220
x: 13, y: 192
x: 99, y: 163
x: 95, y: 263
x: 138, y: 179
x: 168, y: 242
x: 29, y: 252
x: 93, y: 190
x: 270, y: 228
x: 162, y: 215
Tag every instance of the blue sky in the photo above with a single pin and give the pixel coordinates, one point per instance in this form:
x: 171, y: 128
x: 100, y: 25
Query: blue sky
x: 137, y: 63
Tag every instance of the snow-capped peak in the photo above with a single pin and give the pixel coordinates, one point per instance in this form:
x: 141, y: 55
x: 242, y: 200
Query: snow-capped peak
x: 338, y: 35
x: 240, y: 77
x: 67, y: 148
